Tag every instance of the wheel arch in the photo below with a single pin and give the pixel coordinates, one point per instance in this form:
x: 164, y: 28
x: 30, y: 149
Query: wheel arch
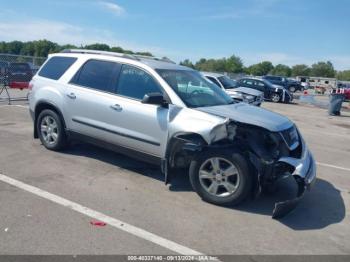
x: 183, y: 141
x: 42, y: 105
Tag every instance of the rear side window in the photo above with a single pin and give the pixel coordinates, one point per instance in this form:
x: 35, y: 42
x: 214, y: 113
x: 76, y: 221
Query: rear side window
x: 248, y: 82
x: 56, y: 67
x: 135, y: 83
x: 98, y: 75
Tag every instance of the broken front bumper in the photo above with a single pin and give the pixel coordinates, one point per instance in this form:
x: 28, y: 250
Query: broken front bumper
x: 305, y: 176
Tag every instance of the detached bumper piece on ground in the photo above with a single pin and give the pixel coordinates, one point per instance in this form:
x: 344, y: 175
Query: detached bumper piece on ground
x: 305, y: 177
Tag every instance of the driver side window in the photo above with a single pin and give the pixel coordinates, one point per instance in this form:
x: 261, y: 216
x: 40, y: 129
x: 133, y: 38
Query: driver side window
x: 260, y: 84
x: 135, y: 83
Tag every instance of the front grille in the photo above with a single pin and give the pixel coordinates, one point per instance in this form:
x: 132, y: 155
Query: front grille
x: 290, y: 137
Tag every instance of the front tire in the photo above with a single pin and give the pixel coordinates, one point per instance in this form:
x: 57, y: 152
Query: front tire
x: 221, y: 177
x: 275, y: 97
x: 51, y: 130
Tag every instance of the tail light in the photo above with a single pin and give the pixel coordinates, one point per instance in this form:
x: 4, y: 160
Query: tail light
x: 30, y: 86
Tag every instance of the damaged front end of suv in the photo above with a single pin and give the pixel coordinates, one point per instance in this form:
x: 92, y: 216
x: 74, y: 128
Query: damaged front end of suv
x: 276, y: 155
x: 271, y: 145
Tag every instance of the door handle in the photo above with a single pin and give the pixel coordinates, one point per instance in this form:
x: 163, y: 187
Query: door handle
x: 72, y: 96
x: 116, y: 107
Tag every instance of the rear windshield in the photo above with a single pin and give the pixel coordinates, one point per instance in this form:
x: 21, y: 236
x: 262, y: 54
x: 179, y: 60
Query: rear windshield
x: 19, y: 67
x: 56, y: 67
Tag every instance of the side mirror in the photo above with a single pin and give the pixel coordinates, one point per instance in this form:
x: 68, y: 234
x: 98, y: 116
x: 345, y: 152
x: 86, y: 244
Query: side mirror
x: 154, y: 99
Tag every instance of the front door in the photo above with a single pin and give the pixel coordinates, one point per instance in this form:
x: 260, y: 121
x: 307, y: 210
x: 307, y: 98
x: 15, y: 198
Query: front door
x: 145, y: 125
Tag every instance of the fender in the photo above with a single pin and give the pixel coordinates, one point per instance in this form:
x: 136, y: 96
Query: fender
x: 44, y: 104
x: 180, y: 149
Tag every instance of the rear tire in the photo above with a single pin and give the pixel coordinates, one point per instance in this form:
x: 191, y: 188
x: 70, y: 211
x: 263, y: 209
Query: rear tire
x: 221, y: 177
x: 51, y: 131
x: 292, y: 89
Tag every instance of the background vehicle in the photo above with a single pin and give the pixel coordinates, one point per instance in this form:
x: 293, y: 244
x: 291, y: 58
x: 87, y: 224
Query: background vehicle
x: 241, y: 94
x: 19, y: 75
x: 3, y: 72
x: 304, y: 81
x: 321, y: 85
x: 271, y: 92
x: 345, y: 89
x: 34, y: 68
x: 168, y: 115
x: 347, y: 93
x: 289, y: 84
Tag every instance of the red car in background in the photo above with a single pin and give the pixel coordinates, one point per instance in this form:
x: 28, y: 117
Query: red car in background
x: 19, y: 75
x: 347, y: 93
x: 345, y: 89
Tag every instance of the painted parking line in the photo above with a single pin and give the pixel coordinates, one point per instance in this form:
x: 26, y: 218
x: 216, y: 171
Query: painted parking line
x: 141, y: 233
x: 21, y: 106
x: 333, y: 166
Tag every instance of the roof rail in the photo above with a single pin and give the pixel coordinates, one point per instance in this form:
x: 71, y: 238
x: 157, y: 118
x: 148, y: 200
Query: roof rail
x: 130, y: 56
x: 162, y: 59
x: 98, y: 52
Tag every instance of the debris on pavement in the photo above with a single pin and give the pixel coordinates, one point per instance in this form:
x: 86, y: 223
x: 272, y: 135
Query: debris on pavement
x: 98, y: 223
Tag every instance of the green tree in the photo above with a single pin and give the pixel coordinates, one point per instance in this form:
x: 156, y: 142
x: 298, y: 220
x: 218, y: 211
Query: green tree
x: 281, y: 70
x: 14, y: 47
x: 44, y: 47
x: 260, y: 69
x: 187, y: 63
x: 117, y: 49
x: 234, y: 64
x: 323, y: 69
x: 343, y: 75
x: 300, y: 70
x: 97, y: 46
x: 28, y: 49
x: 144, y: 53
x: 68, y: 46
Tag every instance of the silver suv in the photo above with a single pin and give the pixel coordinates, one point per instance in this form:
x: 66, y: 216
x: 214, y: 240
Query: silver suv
x: 170, y: 115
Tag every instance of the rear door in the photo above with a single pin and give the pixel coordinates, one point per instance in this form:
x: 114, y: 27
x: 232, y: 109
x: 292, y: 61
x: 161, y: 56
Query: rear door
x: 88, y: 100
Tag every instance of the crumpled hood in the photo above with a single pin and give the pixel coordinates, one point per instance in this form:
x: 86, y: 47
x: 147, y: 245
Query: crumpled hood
x: 253, y: 115
x: 245, y: 90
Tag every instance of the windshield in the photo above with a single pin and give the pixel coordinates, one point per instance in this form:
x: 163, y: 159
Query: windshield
x: 268, y: 83
x: 227, y: 82
x: 194, y: 89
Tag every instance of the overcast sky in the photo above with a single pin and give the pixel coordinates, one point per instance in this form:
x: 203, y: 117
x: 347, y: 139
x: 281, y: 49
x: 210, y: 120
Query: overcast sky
x: 282, y: 31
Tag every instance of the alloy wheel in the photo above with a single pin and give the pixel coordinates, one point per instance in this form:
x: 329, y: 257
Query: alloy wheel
x: 49, y: 130
x: 219, y: 177
x: 275, y: 98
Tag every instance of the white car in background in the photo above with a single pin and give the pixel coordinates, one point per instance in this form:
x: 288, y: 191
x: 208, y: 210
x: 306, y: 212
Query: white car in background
x: 241, y: 94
